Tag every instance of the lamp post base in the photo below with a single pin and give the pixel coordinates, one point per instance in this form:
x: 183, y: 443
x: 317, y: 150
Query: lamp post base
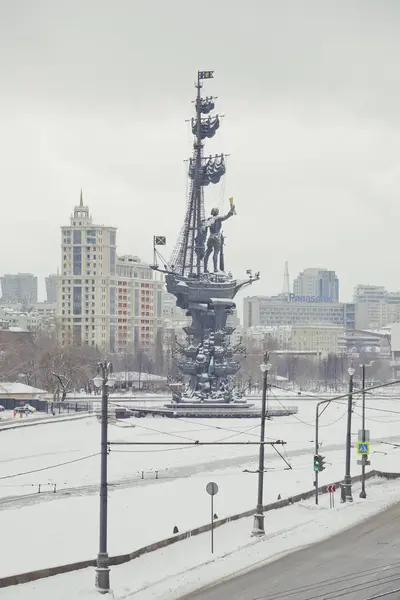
x: 363, y: 494
x: 102, y: 574
x: 346, y: 489
x: 258, y: 525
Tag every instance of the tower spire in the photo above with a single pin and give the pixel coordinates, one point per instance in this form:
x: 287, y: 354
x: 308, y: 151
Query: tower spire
x: 286, y: 281
x: 81, y: 200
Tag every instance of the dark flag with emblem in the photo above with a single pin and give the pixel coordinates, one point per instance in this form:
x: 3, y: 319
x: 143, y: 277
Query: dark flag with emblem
x: 206, y: 74
x: 160, y: 240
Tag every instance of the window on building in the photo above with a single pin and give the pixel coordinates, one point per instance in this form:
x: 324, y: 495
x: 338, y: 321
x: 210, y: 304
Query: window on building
x: 77, y: 260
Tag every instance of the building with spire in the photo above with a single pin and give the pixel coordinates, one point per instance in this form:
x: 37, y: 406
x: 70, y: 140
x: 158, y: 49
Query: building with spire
x: 286, y: 281
x: 86, y: 291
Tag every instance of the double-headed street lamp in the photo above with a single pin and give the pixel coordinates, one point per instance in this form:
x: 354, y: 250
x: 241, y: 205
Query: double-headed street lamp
x: 105, y: 380
x: 364, y: 458
x: 346, y: 485
x: 258, y: 526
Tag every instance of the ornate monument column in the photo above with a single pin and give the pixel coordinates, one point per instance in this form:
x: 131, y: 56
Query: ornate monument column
x: 208, y: 361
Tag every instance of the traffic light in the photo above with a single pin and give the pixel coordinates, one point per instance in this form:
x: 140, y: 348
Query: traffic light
x: 319, y: 464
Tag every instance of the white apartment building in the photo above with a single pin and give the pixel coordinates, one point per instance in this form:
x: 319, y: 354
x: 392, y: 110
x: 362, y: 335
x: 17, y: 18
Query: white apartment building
x: 281, y: 334
x: 139, y: 305
x: 86, y: 294
x: 375, y: 306
x: 371, y: 306
x: 272, y: 311
x: 324, y: 338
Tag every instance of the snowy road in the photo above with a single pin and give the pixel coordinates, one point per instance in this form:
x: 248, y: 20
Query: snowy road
x: 358, y: 564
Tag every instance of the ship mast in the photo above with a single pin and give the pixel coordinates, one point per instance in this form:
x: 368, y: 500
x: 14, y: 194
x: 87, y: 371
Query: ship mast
x: 198, y: 149
x: 187, y: 258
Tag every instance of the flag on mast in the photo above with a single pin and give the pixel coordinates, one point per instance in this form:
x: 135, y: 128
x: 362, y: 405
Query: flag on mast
x: 205, y: 74
x: 160, y: 240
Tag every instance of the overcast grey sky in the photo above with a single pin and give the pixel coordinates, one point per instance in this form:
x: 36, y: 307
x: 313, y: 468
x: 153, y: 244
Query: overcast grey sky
x: 95, y: 93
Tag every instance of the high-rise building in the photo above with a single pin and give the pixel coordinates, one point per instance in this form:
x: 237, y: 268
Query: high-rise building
x: 21, y: 287
x: 317, y: 283
x: 86, y: 294
x: 375, y: 306
x: 139, y: 305
x: 51, y: 288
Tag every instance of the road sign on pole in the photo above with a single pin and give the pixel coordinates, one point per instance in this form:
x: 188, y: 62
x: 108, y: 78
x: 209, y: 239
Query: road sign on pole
x: 332, y: 490
x: 363, y: 435
x: 212, y: 490
x: 363, y: 447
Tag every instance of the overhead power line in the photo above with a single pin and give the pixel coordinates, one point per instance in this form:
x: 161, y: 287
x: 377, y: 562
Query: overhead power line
x: 69, y: 462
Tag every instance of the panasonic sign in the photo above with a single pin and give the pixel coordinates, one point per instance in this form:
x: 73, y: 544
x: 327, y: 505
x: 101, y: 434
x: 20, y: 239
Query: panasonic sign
x: 294, y: 298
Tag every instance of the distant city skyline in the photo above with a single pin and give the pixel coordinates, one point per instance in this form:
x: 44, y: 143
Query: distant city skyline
x: 42, y: 292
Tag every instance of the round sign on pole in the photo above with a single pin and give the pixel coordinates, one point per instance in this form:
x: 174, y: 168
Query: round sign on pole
x: 212, y: 488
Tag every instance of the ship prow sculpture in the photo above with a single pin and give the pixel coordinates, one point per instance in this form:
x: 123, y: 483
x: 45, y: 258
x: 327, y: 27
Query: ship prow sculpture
x: 208, y: 361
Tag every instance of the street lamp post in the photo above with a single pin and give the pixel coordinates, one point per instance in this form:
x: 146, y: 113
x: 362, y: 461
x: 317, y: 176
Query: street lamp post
x: 346, y: 486
x: 364, y: 457
x: 105, y: 380
x: 258, y: 525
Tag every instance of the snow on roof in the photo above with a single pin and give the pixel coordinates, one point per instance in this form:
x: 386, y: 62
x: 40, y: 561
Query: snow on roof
x: 13, y: 387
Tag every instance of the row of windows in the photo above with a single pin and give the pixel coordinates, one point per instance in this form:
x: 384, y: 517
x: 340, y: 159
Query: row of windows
x: 302, y: 310
x: 134, y: 272
x: 80, y: 281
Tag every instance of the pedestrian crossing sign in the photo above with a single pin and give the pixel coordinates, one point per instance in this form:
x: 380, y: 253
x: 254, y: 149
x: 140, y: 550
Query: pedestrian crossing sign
x: 362, y: 447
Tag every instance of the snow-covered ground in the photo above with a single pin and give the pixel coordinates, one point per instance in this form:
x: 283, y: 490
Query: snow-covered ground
x: 49, y: 528
x: 170, y: 573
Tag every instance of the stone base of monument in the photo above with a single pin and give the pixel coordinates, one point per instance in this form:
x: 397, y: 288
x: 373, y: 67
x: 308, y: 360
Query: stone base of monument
x: 233, y: 410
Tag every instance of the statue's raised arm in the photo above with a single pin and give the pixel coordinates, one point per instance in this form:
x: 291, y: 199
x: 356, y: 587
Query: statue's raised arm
x: 228, y: 214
